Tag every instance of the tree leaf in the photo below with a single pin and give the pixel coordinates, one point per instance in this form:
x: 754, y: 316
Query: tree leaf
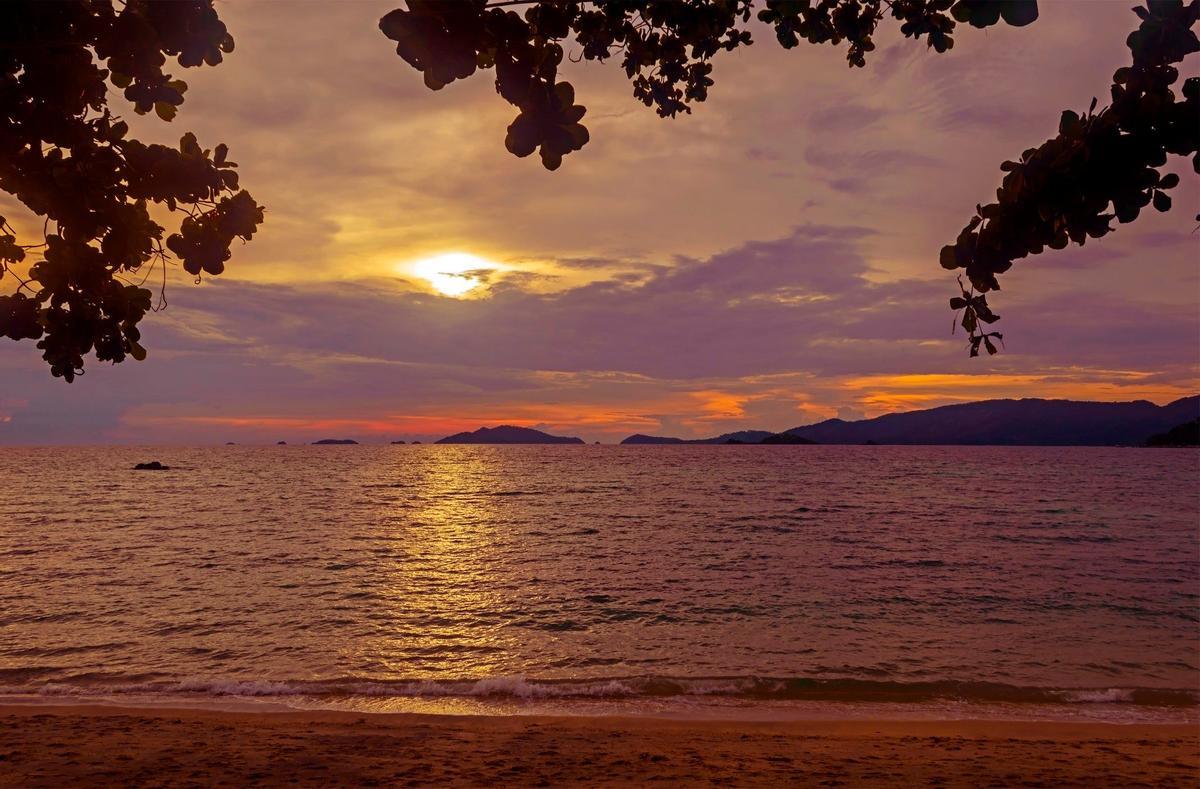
x: 949, y: 258
x: 1019, y: 13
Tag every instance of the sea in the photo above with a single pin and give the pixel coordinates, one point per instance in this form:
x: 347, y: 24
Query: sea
x: 746, y: 582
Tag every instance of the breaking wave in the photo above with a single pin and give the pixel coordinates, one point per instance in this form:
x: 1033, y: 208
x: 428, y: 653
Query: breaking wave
x: 521, y: 688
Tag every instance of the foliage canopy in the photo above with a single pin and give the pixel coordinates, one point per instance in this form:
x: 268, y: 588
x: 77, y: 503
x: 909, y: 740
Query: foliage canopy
x: 68, y: 158
x: 1103, y: 164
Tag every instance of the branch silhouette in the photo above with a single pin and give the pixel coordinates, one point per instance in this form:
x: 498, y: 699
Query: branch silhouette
x: 1102, y: 165
x: 67, y: 157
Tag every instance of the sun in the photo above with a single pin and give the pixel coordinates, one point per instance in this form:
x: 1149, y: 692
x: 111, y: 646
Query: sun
x: 451, y: 274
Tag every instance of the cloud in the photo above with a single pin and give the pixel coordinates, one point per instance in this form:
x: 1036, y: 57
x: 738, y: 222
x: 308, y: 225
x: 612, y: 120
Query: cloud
x: 767, y: 334
x: 1165, y: 239
x: 1089, y: 256
x: 850, y: 413
x: 845, y: 117
x: 754, y: 153
x: 857, y: 172
x: 768, y: 260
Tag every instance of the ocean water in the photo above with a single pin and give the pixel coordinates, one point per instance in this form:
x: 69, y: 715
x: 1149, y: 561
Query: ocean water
x: 715, y: 580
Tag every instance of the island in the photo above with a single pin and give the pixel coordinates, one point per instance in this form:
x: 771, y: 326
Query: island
x: 737, y: 437
x: 508, y: 434
x: 1025, y: 422
x: 641, y: 438
x: 786, y: 438
x: 1185, y: 435
x: 328, y: 441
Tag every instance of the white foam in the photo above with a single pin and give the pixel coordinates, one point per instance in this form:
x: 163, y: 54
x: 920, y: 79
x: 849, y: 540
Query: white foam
x: 516, y: 687
x: 506, y: 686
x: 1099, y: 696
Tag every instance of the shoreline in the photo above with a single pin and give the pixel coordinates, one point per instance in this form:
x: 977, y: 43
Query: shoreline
x: 75, y: 744
x: 686, y: 709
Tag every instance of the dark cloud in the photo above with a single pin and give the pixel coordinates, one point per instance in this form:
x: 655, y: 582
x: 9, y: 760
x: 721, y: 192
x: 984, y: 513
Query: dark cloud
x: 754, y: 153
x: 992, y: 117
x: 858, y: 171
x: 662, y: 317
x: 802, y: 302
x: 845, y: 117
x: 1091, y: 255
x: 1163, y: 239
x: 744, y: 321
x: 867, y: 162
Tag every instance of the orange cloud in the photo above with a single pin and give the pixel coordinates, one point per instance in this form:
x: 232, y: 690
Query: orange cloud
x: 886, y: 393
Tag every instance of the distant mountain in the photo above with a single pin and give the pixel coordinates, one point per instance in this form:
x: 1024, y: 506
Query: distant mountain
x: 508, y: 434
x: 1185, y: 435
x: 741, y: 437
x: 786, y: 438
x: 336, y: 441
x: 1029, y: 422
x: 639, y: 438
x: 738, y: 437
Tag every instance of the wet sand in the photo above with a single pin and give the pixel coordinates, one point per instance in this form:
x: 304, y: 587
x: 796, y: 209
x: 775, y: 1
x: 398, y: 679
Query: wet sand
x: 73, y: 746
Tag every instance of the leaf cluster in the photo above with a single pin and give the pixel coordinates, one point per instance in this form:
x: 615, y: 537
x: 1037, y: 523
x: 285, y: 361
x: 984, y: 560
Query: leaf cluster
x: 69, y: 159
x: 1102, y: 165
x: 855, y: 21
x: 449, y: 39
x: 665, y: 46
x: 976, y: 315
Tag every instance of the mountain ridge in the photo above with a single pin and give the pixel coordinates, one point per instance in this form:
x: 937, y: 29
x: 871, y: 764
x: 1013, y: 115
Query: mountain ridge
x: 737, y: 437
x: 998, y: 422
x: 507, y: 434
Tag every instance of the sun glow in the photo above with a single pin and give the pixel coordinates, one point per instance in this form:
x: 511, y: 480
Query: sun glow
x: 454, y: 273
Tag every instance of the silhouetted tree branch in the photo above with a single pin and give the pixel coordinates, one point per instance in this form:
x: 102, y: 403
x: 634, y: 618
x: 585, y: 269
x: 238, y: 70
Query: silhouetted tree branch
x: 68, y: 158
x: 1100, y: 166
x: 665, y: 46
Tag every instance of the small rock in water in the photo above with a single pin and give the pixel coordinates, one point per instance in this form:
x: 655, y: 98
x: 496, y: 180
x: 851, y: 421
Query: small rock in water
x: 153, y: 465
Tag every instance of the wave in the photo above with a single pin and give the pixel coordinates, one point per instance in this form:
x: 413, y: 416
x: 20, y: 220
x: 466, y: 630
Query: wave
x: 520, y: 688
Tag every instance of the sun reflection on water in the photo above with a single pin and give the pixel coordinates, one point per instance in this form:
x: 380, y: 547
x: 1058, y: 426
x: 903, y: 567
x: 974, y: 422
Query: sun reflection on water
x: 445, y: 523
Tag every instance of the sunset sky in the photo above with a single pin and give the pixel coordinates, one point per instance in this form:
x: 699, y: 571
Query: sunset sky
x: 767, y: 262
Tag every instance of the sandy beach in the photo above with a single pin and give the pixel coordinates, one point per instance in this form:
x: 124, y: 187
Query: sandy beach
x: 77, y: 745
